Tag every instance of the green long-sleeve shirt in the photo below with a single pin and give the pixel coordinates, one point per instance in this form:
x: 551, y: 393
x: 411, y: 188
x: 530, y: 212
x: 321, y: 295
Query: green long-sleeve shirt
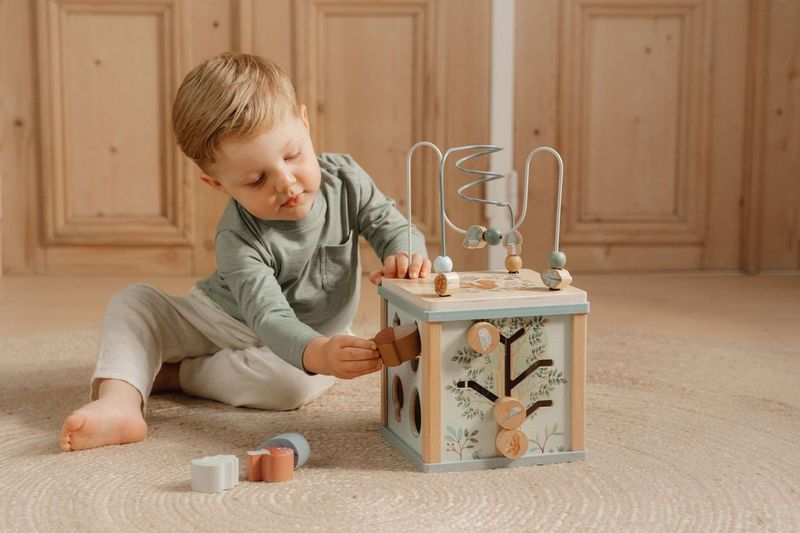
x: 290, y: 281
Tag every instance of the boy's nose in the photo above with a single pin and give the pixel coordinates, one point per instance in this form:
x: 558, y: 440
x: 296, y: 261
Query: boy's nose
x: 286, y: 182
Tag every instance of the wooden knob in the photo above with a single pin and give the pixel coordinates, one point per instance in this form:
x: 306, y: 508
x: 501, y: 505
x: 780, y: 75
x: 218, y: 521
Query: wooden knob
x: 483, y: 337
x: 509, y: 412
x: 512, y: 443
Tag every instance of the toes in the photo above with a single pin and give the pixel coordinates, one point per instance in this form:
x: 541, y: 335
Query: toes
x: 74, y: 421
x: 64, y: 441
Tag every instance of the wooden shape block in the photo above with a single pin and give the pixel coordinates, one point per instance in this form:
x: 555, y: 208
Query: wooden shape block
x: 512, y: 443
x: 446, y: 284
x: 215, y: 473
x: 254, y: 464
x: 483, y: 337
x: 295, y: 442
x: 556, y: 278
x: 398, y: 344
x: 473, y: 239
x: 278, y: 465
x: 509, y: 412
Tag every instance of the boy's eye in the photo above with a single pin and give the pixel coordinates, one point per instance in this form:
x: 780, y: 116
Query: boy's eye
x: 258, y: 181
x: 292, y: 156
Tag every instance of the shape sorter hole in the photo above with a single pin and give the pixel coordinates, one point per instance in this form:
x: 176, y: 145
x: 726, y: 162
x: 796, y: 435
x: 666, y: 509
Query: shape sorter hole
x: 415, y: 412
x: 397, y: 397
x: 415, y: 362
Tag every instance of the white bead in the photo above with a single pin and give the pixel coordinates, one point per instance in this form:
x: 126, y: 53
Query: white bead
x: 442, y: 265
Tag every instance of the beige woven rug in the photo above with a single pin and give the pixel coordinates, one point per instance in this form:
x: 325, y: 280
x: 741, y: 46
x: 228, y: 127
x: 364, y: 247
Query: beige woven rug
x: 681, y: 436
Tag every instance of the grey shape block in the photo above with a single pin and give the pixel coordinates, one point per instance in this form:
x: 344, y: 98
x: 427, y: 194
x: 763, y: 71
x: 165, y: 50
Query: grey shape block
x: 295, y: 441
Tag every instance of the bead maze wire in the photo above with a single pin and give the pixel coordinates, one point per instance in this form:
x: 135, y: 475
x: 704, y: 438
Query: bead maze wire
x: 480, y: 150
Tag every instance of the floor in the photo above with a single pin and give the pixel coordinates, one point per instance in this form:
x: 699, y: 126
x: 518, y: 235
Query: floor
x: 763, y: 309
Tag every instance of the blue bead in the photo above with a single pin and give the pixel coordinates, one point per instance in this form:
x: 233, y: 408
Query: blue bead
x: 492, y: 236
x: 442, y: 265
x: 557, y: 259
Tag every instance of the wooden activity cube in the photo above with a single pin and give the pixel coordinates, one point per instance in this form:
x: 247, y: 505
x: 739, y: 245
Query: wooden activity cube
x: 439, y: 409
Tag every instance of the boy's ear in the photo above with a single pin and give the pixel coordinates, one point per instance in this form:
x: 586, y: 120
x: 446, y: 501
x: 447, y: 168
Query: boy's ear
x: 214, y: 183
x: 304, y: 114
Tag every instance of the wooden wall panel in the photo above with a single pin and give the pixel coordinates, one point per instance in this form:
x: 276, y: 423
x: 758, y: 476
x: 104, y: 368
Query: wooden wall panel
x: 780, y: 170
x: 634, y: 115
x: 380, y: 76
x: 726, y: 137
x: 712, y: 120
x: 111, y: 172
x: 536, y: 124
x: 215, y: 26
x: 367, y: 73
x: 467, y: 109
x: 19, y: 155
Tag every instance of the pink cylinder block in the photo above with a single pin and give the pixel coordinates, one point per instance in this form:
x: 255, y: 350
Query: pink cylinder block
x: 254, y: 461
x: 278, y: 465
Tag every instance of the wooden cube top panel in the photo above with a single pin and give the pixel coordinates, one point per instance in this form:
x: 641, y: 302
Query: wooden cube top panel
x: 495, y: 289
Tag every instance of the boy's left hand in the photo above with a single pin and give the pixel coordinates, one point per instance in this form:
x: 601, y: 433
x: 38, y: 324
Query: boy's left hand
x: 398, y: 266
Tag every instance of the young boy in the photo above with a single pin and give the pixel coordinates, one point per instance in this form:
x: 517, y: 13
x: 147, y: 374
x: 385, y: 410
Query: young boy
x: 265, y: 330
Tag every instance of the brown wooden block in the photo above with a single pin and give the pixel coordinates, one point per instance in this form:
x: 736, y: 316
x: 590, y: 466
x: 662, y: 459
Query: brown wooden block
x: 398, y: 344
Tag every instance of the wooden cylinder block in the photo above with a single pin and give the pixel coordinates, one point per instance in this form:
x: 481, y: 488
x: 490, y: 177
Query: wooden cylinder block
x: 509, y: 412
x: 278, y: 465
x: 556, y: 278
x: 512, y: 443
x: 483, y: 337
x: 254, y: 464
x: 446, y: 284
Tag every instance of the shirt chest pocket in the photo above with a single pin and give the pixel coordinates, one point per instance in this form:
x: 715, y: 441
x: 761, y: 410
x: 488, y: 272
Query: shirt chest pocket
x: 339, y: 263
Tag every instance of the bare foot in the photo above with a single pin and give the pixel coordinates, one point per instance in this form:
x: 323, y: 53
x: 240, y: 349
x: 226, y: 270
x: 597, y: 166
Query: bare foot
x: 114, y: 418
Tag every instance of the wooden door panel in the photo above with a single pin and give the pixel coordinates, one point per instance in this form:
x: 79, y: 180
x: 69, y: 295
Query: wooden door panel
x: 625, y: 94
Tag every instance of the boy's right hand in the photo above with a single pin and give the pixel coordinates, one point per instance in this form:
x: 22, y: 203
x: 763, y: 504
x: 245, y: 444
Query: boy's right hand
x: 343, y: 356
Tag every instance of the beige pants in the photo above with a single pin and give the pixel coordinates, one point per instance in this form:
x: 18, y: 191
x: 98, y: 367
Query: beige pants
x: 220, y: 358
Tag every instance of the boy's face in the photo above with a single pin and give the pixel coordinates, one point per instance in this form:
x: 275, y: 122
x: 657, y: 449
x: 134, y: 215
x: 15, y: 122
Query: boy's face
x: 274, y: 175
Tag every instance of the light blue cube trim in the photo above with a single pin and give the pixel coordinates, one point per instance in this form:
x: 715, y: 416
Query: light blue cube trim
x: 477, y: 464
x: 470, y: 314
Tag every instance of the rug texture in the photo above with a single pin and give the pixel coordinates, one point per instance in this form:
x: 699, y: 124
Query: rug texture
x: 681, y: 436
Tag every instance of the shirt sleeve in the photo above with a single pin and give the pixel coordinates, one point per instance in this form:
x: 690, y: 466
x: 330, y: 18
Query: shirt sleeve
x: 384, y: 227
x: 261, y: 301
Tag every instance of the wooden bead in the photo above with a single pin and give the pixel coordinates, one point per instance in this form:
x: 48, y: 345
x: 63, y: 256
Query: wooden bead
x: 513, y: 264
x: 511, y: 443
x: 509, y: 413
x: 446, y: 284
x: 474, y: 237
x: 556, y: 278
x: 483, y: 337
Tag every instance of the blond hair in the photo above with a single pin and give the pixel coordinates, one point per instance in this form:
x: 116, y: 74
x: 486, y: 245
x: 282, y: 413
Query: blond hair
x: 229, y: 96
